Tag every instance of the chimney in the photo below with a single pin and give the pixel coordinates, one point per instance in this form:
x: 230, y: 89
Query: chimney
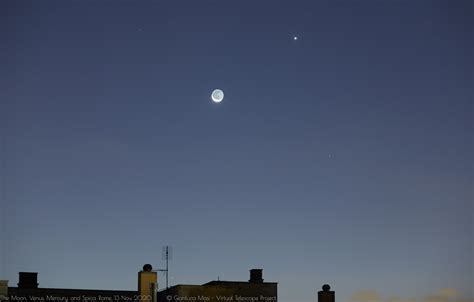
x: 147, y: 282
x: 326, y: 295
x: 256, y: 276
x: 28, y: 280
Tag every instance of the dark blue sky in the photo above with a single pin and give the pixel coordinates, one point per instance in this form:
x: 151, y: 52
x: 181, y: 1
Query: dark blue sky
x: 344, y: 157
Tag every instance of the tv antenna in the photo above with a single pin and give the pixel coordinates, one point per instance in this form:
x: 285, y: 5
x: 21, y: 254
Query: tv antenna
x: 167, y: 254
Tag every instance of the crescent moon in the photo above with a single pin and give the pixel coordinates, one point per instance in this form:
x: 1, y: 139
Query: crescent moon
x: 217, y: 95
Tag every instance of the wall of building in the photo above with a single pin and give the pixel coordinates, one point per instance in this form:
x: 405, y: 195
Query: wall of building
x: 221, y: 291
x: 3, y: 289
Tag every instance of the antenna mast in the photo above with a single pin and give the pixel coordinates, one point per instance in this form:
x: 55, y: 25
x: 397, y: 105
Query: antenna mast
x: 166, y: 255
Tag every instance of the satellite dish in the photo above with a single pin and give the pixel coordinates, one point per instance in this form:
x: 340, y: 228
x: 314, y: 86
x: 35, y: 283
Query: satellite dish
x: 147, y: 268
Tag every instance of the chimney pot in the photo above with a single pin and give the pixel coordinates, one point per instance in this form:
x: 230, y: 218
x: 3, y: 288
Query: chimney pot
x: 326, y: 294
x: 28, y: 280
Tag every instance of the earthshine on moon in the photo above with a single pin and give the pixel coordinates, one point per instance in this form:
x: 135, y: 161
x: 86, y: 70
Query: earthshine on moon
x: 217, y: 95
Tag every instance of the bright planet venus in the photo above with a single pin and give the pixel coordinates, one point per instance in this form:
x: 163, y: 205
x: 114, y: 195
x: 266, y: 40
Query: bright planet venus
x: 217, y: 95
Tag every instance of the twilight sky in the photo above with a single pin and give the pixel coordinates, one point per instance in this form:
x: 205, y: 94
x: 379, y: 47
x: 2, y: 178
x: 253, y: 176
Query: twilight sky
x: 344, y: 157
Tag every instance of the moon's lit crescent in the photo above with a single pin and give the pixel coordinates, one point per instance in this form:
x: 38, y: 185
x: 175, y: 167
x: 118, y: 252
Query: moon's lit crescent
x: 217, y: 95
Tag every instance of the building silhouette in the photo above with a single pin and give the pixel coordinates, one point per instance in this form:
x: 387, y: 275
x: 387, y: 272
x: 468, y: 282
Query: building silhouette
x: 28, y: 291
x: 326, y: 294
x: 255, y: 289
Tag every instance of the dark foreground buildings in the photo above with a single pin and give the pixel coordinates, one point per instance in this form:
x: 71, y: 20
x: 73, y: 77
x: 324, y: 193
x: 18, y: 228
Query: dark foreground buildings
x: 253, y: 290
x: 28, y: 291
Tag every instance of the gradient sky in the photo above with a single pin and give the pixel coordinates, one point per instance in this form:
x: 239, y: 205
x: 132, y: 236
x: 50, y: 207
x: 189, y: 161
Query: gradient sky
x: 344, y: 157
